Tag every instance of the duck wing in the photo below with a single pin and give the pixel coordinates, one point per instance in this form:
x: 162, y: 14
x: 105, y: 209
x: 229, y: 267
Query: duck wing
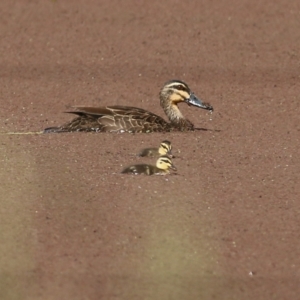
x: 116, y: 119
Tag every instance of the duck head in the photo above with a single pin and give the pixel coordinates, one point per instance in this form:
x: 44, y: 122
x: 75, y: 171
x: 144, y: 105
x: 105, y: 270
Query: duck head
x: 165, y: 148
x: 177, y: 91
x: 165, y: 163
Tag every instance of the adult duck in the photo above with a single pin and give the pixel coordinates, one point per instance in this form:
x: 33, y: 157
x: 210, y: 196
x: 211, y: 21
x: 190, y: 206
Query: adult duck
x: 136, y: 120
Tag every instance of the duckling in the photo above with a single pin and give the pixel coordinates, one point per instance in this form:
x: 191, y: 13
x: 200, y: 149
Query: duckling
x: 163, y: 164
x: 164, y: 148
x: 135, y: 120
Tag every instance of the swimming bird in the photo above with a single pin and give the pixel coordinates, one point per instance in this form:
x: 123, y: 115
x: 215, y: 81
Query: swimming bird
x: 136, y: 120
x: 164, y: 148
x: 163, y: 164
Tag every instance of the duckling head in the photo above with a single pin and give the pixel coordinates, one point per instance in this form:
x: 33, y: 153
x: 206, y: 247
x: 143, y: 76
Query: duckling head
x: 165, y: 148
x: 177, y: 91
x: 165, y: 163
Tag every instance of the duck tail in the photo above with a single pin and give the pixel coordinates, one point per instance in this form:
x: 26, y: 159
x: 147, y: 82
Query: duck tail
x: 52, y: 130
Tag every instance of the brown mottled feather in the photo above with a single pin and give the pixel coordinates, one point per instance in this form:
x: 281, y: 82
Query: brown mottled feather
x: 135, y: 120
x: 115, y: 119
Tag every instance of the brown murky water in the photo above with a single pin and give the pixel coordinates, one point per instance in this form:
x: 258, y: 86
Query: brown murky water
x: 225, y: 227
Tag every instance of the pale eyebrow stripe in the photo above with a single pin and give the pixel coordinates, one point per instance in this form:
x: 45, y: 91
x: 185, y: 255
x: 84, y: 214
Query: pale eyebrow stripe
x: 176, y: 84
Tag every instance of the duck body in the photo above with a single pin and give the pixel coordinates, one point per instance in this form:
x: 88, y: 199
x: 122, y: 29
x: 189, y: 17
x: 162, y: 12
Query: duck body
x: 144, y: 169
x: 164, y: 148
x: 136, y: 120
x: 114, y: 119
x: 149, y: 152
x: 163, y: 166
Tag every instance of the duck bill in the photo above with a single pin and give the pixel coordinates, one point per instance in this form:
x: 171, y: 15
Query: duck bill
x: 170, y: 154
x: 173, y: 168
x: 193, y: 100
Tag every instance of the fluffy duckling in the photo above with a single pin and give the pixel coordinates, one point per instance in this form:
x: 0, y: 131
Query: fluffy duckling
x: 163, y: 164
x: 164, y: 148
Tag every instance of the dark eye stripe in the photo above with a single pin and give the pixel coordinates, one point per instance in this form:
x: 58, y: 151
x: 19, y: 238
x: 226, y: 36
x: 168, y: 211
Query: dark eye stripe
x: 167, y: 161
x: 180, y: 87
x: 164, y: 146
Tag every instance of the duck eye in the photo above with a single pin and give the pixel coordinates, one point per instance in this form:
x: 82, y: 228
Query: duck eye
x: 181, y: 88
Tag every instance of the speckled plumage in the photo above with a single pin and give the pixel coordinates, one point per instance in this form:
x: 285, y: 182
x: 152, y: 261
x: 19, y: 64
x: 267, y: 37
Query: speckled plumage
x: 136, y: 120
